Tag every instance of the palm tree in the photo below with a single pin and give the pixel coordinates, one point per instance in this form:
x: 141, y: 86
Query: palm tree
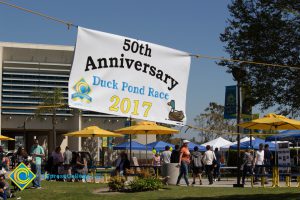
x: 50, y: 102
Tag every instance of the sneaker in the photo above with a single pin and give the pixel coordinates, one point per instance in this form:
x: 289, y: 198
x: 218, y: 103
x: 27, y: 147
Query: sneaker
x: 39, y: 188
x: 177, y: 184
x: 200, y: 182
x: 193, y: 183
x: 219, y: 179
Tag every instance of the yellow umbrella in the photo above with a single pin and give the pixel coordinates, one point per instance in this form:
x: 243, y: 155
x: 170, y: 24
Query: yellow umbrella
x: 2, y: 137
x: 93, y: 131
x: 272, y: 122
x: 146, y: 127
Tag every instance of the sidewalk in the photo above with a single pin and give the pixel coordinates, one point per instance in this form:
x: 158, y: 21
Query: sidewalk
x: 229, y: 183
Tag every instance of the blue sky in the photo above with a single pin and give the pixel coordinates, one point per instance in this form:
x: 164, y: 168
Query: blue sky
x: 193, y: 26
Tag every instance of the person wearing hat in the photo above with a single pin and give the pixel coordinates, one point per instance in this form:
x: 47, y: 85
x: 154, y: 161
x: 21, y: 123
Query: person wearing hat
x: 184, y: 161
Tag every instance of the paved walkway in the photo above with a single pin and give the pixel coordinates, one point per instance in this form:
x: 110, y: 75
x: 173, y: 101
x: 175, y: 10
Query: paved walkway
x: 229, y: 183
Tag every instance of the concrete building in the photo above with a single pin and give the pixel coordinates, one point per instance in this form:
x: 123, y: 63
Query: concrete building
x: 26, y: 68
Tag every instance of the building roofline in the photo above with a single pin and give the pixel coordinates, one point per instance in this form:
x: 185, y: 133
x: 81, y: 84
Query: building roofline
x: 36, y: 46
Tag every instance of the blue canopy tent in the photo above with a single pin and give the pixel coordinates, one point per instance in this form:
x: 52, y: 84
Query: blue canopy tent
x: 288, y: 135
x: 126, y: 145
x: 255, y: 144
x: 191, y: 146
x: 159, y: 145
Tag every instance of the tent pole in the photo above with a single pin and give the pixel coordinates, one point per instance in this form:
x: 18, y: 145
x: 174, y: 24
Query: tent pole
x: 146, y: 147
x: 297, y: 159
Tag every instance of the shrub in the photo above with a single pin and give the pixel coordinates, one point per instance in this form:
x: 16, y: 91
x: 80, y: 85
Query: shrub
x: 116, y: 183
x: 145, y: 184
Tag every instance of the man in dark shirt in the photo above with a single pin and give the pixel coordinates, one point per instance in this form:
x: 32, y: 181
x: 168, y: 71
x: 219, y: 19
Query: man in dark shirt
x: 217, y: 165
x: 268, y: 157
x: 175, y: 154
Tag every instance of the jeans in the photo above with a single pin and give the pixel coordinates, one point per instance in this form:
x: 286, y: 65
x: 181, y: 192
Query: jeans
x: 247, y: 169
x: 208, y: 170
x: 37, y: 180
x: 217, y: 171
x: 259, y: 171
x: 183, y: 172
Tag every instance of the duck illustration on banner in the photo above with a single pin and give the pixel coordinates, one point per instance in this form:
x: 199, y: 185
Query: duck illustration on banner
x: 175, y: 115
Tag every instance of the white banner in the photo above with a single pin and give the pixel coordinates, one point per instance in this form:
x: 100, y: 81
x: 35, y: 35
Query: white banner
x: 128, y: 77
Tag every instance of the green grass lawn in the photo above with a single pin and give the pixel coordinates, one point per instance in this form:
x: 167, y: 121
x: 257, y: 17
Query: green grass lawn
x: 83, y: 191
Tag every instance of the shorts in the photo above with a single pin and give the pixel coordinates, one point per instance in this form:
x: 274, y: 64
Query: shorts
x: 197, y: 170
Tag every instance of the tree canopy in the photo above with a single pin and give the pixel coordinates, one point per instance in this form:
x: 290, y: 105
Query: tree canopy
x: 266, y: 31
x: 213, y: 122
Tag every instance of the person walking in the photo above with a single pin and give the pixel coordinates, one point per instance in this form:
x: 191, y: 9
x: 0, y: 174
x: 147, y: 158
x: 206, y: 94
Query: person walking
x: 184, y: 161
x: 259, y: 162
x: 247, y: 165
x: 175, y: 154
x: 122, y: 165
x: 208, y: 160
x: 37, y: 153
x: 85, y: 169
x: 196, y: 165
x: 268, y: 161
x: 217, y: 164
x: 57, y: 162
x: 165, y: 156
x: 67, y: 163
x: 156, y: 163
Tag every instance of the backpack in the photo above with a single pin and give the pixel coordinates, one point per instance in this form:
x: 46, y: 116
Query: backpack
x: 197, y: 160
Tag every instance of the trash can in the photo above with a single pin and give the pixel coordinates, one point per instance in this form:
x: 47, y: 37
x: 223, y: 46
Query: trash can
x: 172, y: 171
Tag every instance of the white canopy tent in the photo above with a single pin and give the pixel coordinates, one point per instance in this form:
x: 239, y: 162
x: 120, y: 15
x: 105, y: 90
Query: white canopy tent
x: 217, y: 143
x: 245, y: 139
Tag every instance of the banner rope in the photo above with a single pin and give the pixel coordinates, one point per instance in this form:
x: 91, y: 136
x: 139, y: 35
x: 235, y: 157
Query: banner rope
x: 188, y: 126
x: 69, y: 24
x: 243, y: 61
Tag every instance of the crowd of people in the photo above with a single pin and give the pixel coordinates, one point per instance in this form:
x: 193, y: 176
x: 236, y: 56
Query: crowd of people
x: 258, y: 164
x: 198, y: 163
x: 209, y: 162
x: 59, y: 166
x: 67, y: 166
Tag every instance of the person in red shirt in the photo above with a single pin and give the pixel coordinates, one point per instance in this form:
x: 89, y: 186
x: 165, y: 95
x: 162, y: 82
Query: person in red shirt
x: 184, y: 161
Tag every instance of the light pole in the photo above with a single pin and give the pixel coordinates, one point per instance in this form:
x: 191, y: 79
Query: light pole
x: 238, y: 75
